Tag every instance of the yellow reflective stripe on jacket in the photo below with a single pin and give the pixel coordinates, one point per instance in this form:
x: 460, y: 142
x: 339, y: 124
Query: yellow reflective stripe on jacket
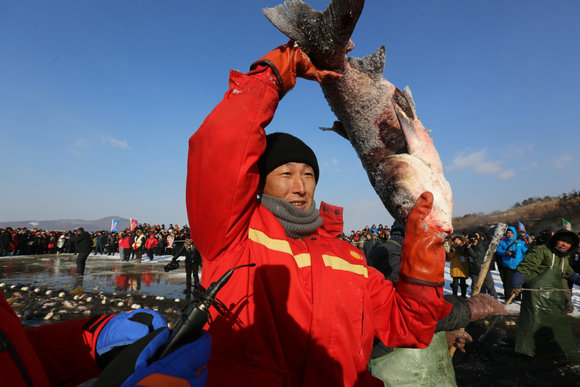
x: 338, y: 263
x: 273, y: 244
x: 303, y: 260
x: 281, y: 245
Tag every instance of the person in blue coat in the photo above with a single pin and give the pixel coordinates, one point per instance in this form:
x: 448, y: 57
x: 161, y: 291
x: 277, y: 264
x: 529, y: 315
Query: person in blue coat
x: 511, y: 251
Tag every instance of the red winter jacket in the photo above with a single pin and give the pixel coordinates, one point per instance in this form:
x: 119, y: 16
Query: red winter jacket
x: 307, y: 313
x: 151, y: 242
x: 125, y: 243
x: 52, y: 354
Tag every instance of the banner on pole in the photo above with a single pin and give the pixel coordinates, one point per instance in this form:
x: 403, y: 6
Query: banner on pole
x: 114, y: 225
x: 521, y: 227
x: 133, y: 224
x: 566, y: 225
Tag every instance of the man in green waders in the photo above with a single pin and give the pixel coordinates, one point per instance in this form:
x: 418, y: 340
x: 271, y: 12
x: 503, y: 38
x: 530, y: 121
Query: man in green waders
x: 543, y: 326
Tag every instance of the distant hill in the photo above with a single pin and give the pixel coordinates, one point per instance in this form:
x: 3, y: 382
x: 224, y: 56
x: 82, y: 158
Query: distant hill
x: 536, y: 214
x: 69, y: 224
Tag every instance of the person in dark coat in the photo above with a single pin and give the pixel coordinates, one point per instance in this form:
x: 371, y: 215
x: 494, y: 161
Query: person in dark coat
x: 476, y: 252
x: 386, y: 256
x: 84, y: 243
x: 192, y: 262
x: 5, y: 240
x: 370, y: 243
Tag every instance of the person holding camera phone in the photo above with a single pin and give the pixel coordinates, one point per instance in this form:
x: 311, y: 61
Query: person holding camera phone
x: 476, y: 252
x: 511, y: 251
x: 458, y: 265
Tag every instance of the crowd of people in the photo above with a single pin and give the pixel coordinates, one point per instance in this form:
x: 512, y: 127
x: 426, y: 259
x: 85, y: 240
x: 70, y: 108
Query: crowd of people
x: 537, y: 270
x: 466, y: 253
x: 152, y: 240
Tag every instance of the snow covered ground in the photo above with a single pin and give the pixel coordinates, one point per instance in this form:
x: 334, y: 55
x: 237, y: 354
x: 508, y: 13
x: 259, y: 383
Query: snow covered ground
x: 514, y: 307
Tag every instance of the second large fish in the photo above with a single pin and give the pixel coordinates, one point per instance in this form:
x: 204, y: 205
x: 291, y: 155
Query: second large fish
x: 379, y: 120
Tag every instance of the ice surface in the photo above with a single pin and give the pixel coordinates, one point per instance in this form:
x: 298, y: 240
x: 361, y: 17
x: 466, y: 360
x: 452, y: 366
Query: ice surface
x: 108, y: 274
x: 514, y: 307
x: 103, y: 273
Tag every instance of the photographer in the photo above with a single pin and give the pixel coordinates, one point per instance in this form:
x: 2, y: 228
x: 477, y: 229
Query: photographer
x: 476, y: 252
x: 192, y: 262
x: 83, y: 244
x: 459, y: 267
x: 511, y: 251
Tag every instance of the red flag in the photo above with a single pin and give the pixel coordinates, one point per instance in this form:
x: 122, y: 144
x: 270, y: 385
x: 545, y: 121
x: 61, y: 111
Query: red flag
x: 133, y: 224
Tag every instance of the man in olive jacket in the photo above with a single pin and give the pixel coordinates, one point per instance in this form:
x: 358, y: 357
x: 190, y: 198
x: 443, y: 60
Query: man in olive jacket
x: 543, y: 325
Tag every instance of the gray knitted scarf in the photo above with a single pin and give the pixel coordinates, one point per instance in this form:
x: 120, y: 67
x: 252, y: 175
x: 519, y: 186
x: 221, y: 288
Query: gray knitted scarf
x: 296, y: 222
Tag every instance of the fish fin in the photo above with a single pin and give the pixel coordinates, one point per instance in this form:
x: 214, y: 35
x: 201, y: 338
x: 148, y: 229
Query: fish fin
x: 338, y: 128
x: 408, y: 129
x: 284, y: 18
x: 419, y: 144
x: 409, y: 96
x: 324, y: 36
x: 373, y: 65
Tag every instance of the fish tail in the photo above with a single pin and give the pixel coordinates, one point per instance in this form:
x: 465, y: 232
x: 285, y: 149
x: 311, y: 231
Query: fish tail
x: 324, y: 36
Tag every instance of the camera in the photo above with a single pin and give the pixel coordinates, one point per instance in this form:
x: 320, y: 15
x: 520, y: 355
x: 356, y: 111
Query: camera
x: 171, y: 266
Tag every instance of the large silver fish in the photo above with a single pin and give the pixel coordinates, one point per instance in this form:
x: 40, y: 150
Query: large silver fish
x: 379, y: 120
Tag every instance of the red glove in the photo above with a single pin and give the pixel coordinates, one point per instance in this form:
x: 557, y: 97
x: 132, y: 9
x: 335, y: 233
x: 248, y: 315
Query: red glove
x: 484, y: 305
x: 422, y: 255
x: 288, y: 62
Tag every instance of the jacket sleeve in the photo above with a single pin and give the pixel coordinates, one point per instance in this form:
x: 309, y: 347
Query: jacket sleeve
x: 530, y: 265
x: 524, y: 247
x: 458, y: 317
x: 222, y: 171
x: 477, y: 252
x: 501, y: 248
x: 568, y: 270
x: 405, y: 316
x: 179, y: 252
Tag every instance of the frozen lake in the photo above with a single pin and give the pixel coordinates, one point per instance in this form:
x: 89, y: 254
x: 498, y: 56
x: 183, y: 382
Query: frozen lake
x: 108, y: 274
x: 103, y: 273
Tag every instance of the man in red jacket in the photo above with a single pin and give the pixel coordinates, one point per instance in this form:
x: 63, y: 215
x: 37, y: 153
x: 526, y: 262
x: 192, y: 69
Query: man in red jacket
x: 307, y: 313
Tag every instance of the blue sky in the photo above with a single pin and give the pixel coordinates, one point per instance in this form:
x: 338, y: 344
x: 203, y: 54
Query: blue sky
x: 98, y: 100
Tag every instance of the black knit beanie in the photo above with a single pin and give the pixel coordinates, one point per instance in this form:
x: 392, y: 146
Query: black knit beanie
x: 565, y: 236
x: 282, y: 148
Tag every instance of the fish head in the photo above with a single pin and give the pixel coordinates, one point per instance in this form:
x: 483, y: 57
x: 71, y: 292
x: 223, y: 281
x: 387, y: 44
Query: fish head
x: 402, y: 178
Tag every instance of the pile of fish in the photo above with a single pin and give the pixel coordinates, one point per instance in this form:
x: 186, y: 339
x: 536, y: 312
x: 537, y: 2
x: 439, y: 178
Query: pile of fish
x: 41, y: 305
x: 378, y: 119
